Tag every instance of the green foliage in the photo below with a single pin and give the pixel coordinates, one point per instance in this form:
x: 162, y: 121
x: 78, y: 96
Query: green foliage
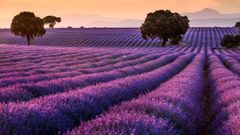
x: 237, y: 40
x: 27, y: 25
x: 165, y: 25
x: 237, y: 24
x: 230, y: 41
x: 176, y: 40
x: 51, y: 20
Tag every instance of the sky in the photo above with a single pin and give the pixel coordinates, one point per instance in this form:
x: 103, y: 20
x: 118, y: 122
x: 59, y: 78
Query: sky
x: 124, y: 9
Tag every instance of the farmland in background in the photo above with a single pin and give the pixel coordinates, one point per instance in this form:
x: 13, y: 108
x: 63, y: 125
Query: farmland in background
x: 113, y: 37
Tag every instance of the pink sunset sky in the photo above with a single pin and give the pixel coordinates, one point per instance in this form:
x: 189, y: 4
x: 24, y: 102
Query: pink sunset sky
x: 122, y: 9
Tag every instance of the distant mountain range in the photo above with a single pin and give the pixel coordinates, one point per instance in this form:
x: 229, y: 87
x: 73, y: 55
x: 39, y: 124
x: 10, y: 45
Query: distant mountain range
x: 210, y: 17
x: 205, y: 18
x: 77, y: 20
x: 209, y: 13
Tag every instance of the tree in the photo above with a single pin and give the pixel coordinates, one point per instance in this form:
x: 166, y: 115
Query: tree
x: 176, y: 40
x: 237, y: 24
x: 27, y: 25
x: 51, y: 20
x: 165, y: 25
x: 237, y: 40
x: 228, y: 41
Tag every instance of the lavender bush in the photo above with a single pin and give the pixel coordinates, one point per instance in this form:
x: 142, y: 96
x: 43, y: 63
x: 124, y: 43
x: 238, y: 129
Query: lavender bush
x: 110, y: 81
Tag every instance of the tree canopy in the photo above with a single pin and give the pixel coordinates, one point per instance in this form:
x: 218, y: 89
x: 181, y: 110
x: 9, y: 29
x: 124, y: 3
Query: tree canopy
x: 27, y: 25
x: 230, y: 41
x: 237, y: 24
x: 51, y: 20
x: 165, y: 25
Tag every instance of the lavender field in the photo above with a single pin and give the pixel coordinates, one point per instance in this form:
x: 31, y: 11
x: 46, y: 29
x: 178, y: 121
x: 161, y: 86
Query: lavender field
x: 115, y: 37
x: 111, y: 81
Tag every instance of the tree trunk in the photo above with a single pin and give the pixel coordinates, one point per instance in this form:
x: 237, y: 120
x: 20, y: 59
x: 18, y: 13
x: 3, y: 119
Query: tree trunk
x: 28, y: 40
x: 164, y: 42
x: 51, y: 25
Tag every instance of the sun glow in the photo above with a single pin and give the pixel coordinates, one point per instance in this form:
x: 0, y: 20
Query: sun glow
x: 122, y: 9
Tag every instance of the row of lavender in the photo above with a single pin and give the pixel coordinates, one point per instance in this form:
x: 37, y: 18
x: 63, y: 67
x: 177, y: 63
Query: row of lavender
x: 46, y: 90
x: 176, y: 106
x: 173, y: 108
x: 53, y: 111
x: 56, y: 71
x: 224, y: 78
x: 117, y: 37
